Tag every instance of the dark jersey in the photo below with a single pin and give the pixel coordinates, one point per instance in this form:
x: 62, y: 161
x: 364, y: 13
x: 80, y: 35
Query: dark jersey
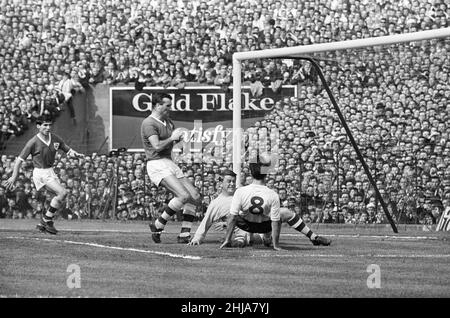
x: 43, y: 153
x: 152, y: 126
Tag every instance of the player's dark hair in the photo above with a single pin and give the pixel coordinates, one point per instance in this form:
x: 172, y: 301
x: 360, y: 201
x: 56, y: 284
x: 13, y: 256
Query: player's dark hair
x: 255, y: 169
x: 44, y: 119
x: 157, y: 98
x: 228, y: 172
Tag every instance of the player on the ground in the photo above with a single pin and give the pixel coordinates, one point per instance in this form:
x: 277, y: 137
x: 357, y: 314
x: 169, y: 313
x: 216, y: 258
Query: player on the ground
x: 256, y: 209
x: 43, y: 147
x: 217, y: 212
x: 158, y: 137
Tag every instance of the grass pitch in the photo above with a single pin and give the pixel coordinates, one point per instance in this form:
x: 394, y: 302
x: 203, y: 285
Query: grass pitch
x: 120, y: 260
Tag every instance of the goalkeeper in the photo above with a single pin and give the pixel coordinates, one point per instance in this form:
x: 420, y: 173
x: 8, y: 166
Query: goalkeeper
x: 217, y: 213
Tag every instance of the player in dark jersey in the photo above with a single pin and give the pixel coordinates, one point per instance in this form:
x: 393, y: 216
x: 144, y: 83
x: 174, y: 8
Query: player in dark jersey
x: 42, y: 148
x: 158, y: 137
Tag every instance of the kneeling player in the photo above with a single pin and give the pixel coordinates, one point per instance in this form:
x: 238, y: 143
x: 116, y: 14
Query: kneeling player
x: 256, y: 209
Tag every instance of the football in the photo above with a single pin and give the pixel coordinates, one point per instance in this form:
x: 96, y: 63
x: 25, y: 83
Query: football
x: 178, y: 134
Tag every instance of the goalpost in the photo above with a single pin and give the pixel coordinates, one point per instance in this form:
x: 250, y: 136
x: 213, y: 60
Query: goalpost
x: 305, y: 52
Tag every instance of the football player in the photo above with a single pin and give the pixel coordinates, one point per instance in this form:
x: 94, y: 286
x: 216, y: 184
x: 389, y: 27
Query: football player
x: 217, y: 213
x: 256, y: 209
x: 43, y: 148
x: 158, y: 135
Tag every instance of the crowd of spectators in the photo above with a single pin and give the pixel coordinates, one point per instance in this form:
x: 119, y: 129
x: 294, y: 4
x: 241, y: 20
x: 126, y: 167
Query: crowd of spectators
x: 396, y: 100
x: 91, y: 185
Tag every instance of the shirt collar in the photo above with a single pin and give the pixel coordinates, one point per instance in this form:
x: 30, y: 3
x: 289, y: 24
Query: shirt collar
x: 45, y: 142
x: 164, y: 123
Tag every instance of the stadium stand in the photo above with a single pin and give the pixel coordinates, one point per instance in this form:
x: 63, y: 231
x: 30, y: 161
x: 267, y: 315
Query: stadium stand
x: 51, y: 50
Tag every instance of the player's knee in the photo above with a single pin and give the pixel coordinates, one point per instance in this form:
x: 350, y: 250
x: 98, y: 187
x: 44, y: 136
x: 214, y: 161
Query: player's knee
x: 184, y: 197
x: 286, y: 214
x: 61, y: 195
x: 242, y: 238
x: 196, y: 197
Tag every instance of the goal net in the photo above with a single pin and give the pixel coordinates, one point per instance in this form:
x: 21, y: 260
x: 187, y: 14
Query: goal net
x: 368, y: 114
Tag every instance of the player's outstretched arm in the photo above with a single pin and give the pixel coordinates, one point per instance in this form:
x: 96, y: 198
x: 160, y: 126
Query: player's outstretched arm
x: 205, y: 225
x: 230, y: 227
x: 195, y: 241
x: 276, y: 229
x: 9, y: 183
x: 73, y: 153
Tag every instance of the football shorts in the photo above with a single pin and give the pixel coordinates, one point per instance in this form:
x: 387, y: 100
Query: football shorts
x: 42, y: 177
x: 254, y: 227
x: 161, y: 168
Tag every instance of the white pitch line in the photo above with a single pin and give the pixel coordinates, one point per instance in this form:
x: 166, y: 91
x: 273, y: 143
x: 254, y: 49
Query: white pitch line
x: 357, y: 255
x: 109, y: 247
x: 139, y: 231
x: 62, y: 229
x: 271, y: 255
x: 375, y: 236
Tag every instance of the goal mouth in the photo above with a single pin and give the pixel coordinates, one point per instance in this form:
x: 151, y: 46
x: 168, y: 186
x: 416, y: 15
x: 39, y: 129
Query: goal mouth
x: 355, y: 96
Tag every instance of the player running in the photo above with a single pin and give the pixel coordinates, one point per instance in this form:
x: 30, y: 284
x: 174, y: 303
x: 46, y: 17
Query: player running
x: 158, y: 137
x: 217, y: 212
x: 43, y: 147
x: 256, y: 209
